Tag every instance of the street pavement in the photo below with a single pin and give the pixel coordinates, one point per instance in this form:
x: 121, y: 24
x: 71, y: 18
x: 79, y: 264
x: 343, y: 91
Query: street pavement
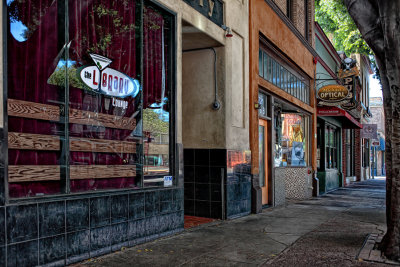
x: 324, y: 231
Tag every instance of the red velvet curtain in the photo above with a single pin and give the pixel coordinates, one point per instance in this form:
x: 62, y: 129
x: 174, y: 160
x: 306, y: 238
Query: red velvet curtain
x: 30, y: 63
x: 106, y: 28
x: 103, y: 27
x: 153, y: 57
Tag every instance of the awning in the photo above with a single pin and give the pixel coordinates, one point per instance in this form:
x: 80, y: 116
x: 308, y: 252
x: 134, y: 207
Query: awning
x: 349, y: 122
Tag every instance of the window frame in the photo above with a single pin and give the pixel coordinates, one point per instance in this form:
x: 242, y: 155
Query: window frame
x: 171, y: 85
x: 278, y: 61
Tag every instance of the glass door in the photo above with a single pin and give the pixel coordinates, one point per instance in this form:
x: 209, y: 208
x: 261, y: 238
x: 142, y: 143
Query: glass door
x: 263, y: 158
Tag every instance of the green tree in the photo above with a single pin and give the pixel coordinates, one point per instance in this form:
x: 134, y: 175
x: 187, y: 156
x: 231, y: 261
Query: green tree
x: 378, y: 22
x: 337, y: 24
x: 153, y: 122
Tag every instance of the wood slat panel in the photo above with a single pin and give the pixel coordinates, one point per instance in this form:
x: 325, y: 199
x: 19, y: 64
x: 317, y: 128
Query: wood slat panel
x: 33, y: 141
x: 50, y: 142
x: 101, y: 145
x: 35, y: 173
x: 101, y: 171
x: 25, y: 109
x: 91, y: 118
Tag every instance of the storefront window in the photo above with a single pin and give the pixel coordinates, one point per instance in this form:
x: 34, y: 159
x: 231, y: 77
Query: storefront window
x: 292, y: 140
x: 277, y: 74
x: 331, y: 147
x: 76, y: 92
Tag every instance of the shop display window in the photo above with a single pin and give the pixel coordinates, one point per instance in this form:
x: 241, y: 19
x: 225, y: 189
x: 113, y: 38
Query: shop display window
x: 84, y: 114
x: 291, y: 147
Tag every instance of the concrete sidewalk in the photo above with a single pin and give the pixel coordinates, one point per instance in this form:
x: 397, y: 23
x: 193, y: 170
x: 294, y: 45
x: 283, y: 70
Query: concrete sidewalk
x: 326, y: 231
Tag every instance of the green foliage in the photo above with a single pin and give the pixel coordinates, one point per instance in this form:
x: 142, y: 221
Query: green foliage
x: 58, y: 77
x: 152, y: 122
x: 337, y: 24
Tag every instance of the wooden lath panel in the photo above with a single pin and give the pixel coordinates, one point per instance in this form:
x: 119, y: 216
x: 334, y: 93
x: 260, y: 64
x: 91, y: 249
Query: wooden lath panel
x: 101, y: 145
x: 32, y: 110
x: 91, y: 118
x: 35, y: 173
x: 25, y: 109
x: 50, y: 142
x: 101, y: 171
x: 33, y: 141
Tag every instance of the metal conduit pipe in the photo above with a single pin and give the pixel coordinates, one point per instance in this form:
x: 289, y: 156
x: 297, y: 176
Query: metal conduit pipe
x: 216, y: 105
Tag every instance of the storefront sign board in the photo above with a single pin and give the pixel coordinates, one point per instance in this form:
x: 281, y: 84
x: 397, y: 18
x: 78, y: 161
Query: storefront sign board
x: 376, y: 143
x: 212, y: 9
x: 333, y: 93
x: 369, y: 131
x: 349, y: 83
x: 346, y: 73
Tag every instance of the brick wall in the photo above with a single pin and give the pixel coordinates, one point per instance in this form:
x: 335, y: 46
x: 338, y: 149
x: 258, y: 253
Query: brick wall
x: 357, y: 153
x: 344, y: 156
x: 282, y: 4
x: 298, y: 16
x: 311, y: 18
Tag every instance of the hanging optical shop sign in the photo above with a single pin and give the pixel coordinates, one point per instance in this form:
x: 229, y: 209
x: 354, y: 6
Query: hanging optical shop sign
x: 107, y: 81
x: 333, y: 95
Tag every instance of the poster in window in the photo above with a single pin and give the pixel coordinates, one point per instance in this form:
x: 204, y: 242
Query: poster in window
x: 298, y: 154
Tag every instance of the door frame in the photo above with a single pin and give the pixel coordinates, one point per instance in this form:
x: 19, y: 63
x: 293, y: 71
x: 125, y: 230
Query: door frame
x: 269, y: 132
x: 265, y: 190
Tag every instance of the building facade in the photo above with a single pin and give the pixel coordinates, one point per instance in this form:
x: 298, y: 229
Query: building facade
x: 329, y: 128
x: 117, y: 119
x: 282, y: 101
x: 378, y: 145
x: 364, y: 66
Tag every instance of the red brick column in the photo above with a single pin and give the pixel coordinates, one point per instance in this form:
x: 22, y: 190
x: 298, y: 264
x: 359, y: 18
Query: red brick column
x: 357, y: 153
x: 344, y: 157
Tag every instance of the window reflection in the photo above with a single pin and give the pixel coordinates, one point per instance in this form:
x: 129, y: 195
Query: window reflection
x: 112, y: 130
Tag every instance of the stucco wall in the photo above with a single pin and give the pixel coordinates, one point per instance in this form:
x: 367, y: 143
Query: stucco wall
x: 237, y: 77
x: 203, y: 127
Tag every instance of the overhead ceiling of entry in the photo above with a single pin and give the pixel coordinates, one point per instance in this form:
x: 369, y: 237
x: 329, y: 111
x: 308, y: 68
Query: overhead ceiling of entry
x: 193, y: 38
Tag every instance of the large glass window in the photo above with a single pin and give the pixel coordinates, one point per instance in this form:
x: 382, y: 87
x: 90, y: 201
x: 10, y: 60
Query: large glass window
x: 82, y: 114
x: 273, y: 71
x: 291, y: 147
